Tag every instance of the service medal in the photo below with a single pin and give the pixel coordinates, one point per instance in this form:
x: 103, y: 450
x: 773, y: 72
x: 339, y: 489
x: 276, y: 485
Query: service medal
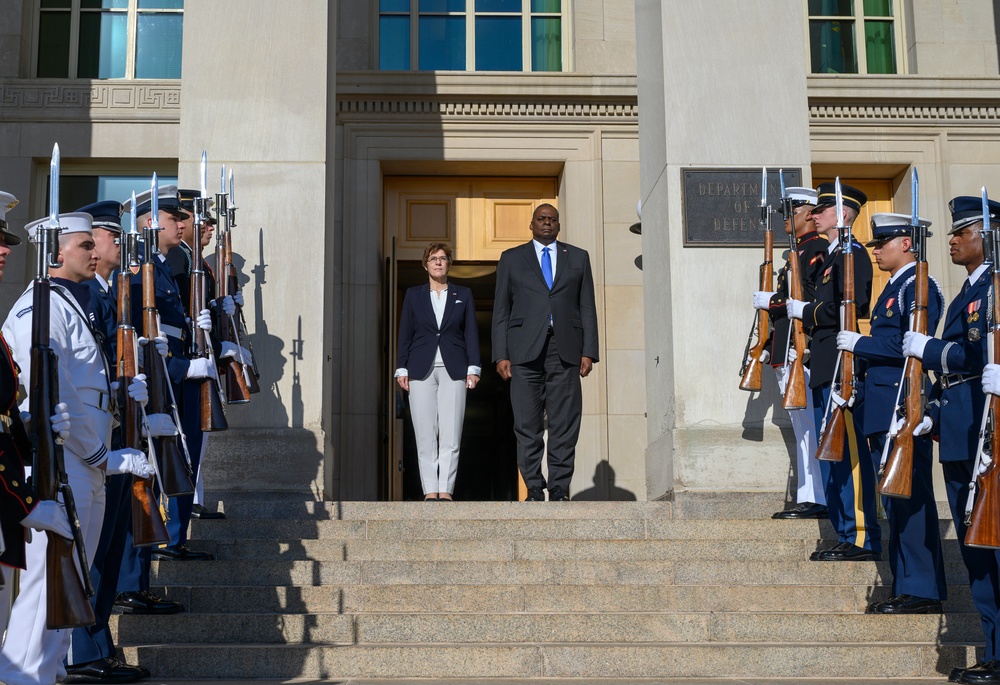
x: 973, y: 317
x: 888, y: 314
x: 974, y: 335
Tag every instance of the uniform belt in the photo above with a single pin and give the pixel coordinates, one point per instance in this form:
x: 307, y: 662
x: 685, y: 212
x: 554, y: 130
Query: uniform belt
x: 951, y: 379
x: 172, y: 331
x: 96, y: 399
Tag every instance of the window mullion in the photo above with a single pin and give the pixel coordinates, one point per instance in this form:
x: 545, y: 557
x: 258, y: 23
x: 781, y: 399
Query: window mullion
x: 414, y: 35
x: 470, y: 35
x: 526, y: 64
x: 132, y: 39
x: 74, y: 38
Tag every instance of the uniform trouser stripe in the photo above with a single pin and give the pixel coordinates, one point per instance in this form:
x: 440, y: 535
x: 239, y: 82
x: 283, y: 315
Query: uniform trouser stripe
x: 852, y: 449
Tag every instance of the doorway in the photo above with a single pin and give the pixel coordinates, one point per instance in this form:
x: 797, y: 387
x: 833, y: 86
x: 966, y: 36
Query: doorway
x: 480, y: 217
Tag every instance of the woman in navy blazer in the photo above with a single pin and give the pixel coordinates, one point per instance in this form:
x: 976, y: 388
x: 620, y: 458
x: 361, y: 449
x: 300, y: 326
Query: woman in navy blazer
x: 437, y: 363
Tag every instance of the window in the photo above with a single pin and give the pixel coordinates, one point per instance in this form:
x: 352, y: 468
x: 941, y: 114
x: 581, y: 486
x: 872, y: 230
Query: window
x: 471, y: 35
x: 105, y: 39
x: 854, y: 36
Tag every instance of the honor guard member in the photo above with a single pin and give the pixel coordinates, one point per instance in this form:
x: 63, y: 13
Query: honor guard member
x: 850, y: 483
x: 93, y: 656
x: 16, y: 502
x: 956, y: 406
x: 811, y: 249
x: 133, y: 583
x: 918, y: 582
x: 31, y: 654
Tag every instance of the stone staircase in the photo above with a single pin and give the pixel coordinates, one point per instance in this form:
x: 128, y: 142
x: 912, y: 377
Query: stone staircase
x: 707, y: 586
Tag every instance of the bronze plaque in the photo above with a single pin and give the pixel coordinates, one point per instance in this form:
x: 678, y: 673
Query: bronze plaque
x: 722, y: 206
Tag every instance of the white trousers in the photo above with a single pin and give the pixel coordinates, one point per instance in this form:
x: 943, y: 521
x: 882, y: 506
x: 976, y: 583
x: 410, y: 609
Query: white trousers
x: 31, y: 654
x: 437, y: 407
x: 807, y: 469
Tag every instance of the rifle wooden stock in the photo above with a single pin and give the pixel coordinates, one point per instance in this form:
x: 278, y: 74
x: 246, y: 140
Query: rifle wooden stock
x: 175, y: 473
x: 984, y: 522
x: 241, y: 326
x: 795, y: 385
x: 897, y: 481
x: 831, y: 447
x: 67, y: 604
x: 752, y: 374
x: 213, y: 415
x: 148, y: 527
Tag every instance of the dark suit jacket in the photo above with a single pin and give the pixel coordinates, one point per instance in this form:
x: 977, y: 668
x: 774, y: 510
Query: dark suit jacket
x: 420, y: 337
x: 524, y: 303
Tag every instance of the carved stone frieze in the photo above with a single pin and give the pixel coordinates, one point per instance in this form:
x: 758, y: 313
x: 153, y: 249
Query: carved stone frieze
x: 904, y: 114
x: 46, y: 100
x: 614, y: 111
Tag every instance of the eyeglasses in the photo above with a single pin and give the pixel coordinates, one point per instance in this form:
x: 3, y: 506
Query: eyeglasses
x: 437, y: 259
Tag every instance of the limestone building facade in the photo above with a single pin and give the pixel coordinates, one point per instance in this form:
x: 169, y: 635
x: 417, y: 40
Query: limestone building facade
x: 359, y: 130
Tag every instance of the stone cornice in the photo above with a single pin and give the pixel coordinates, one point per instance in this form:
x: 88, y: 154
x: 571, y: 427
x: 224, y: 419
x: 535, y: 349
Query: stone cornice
x: 904, y: 100
x: 466, y: 96
x: 40, y: 100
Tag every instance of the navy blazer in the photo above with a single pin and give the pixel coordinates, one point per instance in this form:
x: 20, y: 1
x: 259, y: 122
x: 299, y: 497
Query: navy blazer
x: 882, y: 350
x: 420, y: 336
x: 958, y: 409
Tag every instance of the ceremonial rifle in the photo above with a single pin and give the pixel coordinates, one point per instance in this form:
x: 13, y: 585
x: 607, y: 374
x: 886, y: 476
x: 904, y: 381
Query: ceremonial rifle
x: 213, y: 414
x: 897, y: 465
x: 236, y: 375
x: 239, y: 321
x: 174, y: 469
x: 795, y: 386
x: 831, y: 447
x: 752, y: 370
x: 66, y: 593
x: 148, y: 527
x: 982, y: 511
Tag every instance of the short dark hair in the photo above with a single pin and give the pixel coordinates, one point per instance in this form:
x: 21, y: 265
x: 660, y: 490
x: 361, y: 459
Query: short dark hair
x: 544, y: 204
x: 435, y: 247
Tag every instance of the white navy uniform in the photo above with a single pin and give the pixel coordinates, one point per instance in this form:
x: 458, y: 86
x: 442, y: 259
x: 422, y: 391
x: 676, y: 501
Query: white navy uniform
x: 31, y: 654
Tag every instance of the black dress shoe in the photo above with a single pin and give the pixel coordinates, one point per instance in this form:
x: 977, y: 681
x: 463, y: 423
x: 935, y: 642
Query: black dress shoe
x: 956, y: 673
x: 200, y: 512
x: 907, y: 604
x: 557, y: 494
x: 845, y: 551
x: 107, y: 670
x: 145, y: 602
x: 535, y: 495
x: 982, y: 673
x: 181, y: 553
x: 815, y: 556
x: 806, y: 510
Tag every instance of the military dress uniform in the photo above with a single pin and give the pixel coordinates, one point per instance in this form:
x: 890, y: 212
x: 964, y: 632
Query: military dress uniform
x: 31, y: 654
x: 850, y: 484
x: 915, y: 556
x: 956, y: 407
x: 812, y: 252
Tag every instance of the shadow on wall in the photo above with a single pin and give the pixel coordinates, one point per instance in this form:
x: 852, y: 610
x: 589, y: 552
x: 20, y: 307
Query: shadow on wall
x: 759, y: 405
x: 604, y: 487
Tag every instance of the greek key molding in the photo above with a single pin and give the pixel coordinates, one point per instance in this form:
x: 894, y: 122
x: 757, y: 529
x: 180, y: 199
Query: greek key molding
x: 627, y: 112
x: 76, y: 100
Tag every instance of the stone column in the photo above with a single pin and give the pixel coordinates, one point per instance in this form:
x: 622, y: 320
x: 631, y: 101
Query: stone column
x: 257, y: 93
x: 721, y: 84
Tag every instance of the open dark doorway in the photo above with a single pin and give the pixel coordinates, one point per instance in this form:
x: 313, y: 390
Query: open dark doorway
x: 487, y: 467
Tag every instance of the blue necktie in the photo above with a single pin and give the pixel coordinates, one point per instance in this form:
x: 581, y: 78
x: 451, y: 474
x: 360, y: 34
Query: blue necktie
x: 547, y: 267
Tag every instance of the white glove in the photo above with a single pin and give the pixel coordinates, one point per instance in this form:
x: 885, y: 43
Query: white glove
x: 49, y: 515
x: 137, y: 389
x: 762, y: 299
x: 846, y: 340
x: 160, y: 341
x: 795, y: 308
x: 204, y: 321
x: 238, y: 298
x: 237, y: 352
x: 128, y: 460
x: 228, y: 306
x: 914, y: 344
x: 991, y: 379
x: 924, y: 427
x: 159, y: 426
x: 984, y: 465
x: 764, y: 357
x: 199, y: 367
x: 60, y: 420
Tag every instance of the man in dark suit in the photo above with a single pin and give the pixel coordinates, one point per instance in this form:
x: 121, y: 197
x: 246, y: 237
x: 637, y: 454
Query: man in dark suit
x: 545, y: 341
x: 956, y: 405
